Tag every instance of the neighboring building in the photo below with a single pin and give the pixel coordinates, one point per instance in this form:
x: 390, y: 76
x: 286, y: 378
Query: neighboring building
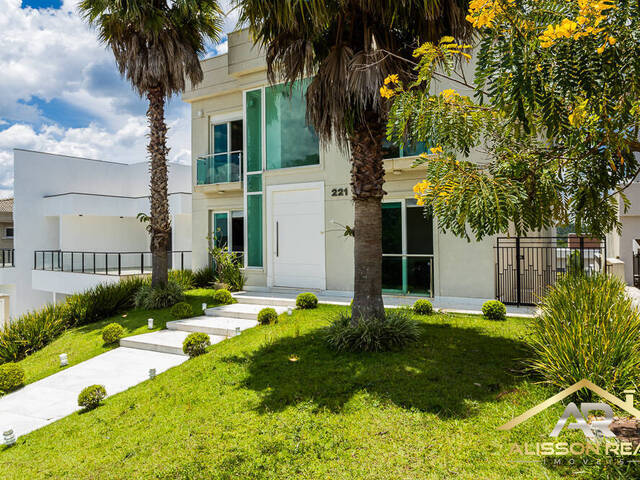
x: 6, y: 224
x: 76, y: 225
x: 264, y: 186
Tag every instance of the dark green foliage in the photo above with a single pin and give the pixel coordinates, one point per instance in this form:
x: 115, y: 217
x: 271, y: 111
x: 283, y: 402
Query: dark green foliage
x: 33, y: 330
x: 184, y: 278
x: 203, y: 277
x: 102, y: 301
x: 267, y: 315
x: 196, y: 344
x: 222, y: 297
x: 423, y: 307
x: 112, y: 333
x: 91, y: 396
x: 162, y: 297
x: 30, y: 332
x: 306, y: 300
x: 11, y: 377
x: 395, y: 331
x: 494, y: 310
x: 227, y: 267
x: 589, y: 329
x: 181, y: 310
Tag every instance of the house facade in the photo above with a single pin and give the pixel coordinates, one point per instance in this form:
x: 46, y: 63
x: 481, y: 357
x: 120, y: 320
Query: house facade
x: 76, y: 225
x: 266, y: 188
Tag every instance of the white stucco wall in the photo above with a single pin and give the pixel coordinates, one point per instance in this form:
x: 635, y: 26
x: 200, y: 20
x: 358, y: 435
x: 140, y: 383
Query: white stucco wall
x: 461, y: 268
x: 71, y: 203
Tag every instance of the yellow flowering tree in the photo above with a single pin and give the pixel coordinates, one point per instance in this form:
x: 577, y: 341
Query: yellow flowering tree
x: 551, y: 107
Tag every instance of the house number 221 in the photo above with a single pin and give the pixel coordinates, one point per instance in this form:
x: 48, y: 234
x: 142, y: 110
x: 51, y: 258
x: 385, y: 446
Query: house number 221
x: 339, y: 192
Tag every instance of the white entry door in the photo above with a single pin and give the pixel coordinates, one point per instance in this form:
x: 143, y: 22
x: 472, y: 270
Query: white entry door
x: 296, y: 233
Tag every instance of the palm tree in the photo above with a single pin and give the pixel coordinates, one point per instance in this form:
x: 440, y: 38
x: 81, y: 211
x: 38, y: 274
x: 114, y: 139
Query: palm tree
x: 350, y: 47
x: 156, y: 44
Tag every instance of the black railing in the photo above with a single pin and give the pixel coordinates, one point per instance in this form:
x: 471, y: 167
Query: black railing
x: 7, y: 257
x: 527, y: 266
x: 105, y: 263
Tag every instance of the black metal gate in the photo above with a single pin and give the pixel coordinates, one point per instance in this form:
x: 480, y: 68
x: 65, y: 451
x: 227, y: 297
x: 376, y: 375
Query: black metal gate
x: 636, y: 269
x: 526, y: 266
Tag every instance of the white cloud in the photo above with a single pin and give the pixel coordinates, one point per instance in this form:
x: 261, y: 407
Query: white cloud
x: 51, y: 54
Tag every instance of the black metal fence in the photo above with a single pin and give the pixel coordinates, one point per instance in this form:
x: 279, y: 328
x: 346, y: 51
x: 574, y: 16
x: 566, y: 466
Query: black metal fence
x: 7, y: 257
x: 527, y: 266
x: 105, y: 263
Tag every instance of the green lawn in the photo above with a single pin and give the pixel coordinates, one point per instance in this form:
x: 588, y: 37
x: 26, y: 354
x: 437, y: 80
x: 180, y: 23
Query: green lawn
x: 83, y: 343
x: 246, y: 411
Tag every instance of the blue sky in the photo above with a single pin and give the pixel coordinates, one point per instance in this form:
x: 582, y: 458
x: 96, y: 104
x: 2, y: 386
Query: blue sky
x: 60, y: 91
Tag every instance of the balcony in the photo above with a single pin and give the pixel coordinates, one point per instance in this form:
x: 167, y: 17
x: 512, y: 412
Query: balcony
x: 104, y: 263
x: 219, y: 172
x: 7, y: 257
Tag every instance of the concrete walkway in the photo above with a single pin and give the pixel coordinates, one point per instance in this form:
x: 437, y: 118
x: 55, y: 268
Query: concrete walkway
x: 56, y: 396
x: 287, y: 296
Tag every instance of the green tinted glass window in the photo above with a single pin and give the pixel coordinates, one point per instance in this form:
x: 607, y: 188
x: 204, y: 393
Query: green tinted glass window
x: 254, y: 230
x: 290, y: 141
x: 392, y: 227
x: 253, y: 117
x: 220, y: 138
x: 254, y: 183
x: 220, y: 232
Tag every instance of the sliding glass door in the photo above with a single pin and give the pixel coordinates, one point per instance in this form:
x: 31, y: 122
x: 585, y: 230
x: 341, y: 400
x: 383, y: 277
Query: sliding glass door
x: 407, y: 249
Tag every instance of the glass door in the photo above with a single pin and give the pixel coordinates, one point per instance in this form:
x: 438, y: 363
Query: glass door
x: 407, y: 249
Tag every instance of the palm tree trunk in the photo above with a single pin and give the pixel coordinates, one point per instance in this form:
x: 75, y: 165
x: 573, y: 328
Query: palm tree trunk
x: 367, y: 180
x: 160, y: 219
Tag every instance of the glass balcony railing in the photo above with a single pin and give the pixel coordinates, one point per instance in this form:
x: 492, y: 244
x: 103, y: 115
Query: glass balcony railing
x: 219, y: 168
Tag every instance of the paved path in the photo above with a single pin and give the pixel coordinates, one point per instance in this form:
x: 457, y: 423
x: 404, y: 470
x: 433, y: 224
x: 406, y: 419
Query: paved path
x: 56, y: 396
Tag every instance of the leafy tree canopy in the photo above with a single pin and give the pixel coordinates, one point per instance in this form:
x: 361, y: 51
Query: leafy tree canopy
x: 554, y: 108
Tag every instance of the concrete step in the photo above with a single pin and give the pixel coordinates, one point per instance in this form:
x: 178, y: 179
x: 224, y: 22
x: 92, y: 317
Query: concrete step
x: 225, y: 326
x: 265, y: 300
x: 241, y: 310
x: 166, y: 341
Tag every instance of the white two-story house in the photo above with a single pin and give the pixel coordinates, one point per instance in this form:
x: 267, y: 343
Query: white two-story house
x: 266, y: 187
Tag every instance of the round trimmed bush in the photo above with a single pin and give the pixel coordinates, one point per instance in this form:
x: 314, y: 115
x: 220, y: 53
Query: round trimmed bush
x: 196, y: 344
x: 223, y: 297
x: 267, y: 315
x: 306, y: 300
x: 494, y: 310
x: 91, y: 396
x: 423, y: 307
x: 112, y: 333
x: 181, y: 310
x: 11, y: 377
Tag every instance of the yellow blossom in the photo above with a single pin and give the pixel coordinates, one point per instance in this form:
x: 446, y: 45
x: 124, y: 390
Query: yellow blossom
x: 386, y: 92
x: 436, y: 150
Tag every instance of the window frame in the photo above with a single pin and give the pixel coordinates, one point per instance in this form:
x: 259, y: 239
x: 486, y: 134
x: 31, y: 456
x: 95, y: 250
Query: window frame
x: 6, y: 234
x: 404, y: 254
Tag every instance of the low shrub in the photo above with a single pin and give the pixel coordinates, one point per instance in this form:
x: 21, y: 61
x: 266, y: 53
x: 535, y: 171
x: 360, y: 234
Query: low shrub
x: 494, y: 310
x: 101, y: 301
x: 184, y: 278
x: 91, y: 396
x: 34, y: 330
x: 395, y: 331
x: 166, y: 296
x: 203, y: 277
x: 181, y: 310
x: 11, y: 377
x: 227, y: 267
x: 196, y: 344
x: 306, y: 300
x: 588, y: 328
x: 267, y: 315
x: 223, y: 297
x: 423, y: 307
x: 112, y: 333
x: 30, y: 332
